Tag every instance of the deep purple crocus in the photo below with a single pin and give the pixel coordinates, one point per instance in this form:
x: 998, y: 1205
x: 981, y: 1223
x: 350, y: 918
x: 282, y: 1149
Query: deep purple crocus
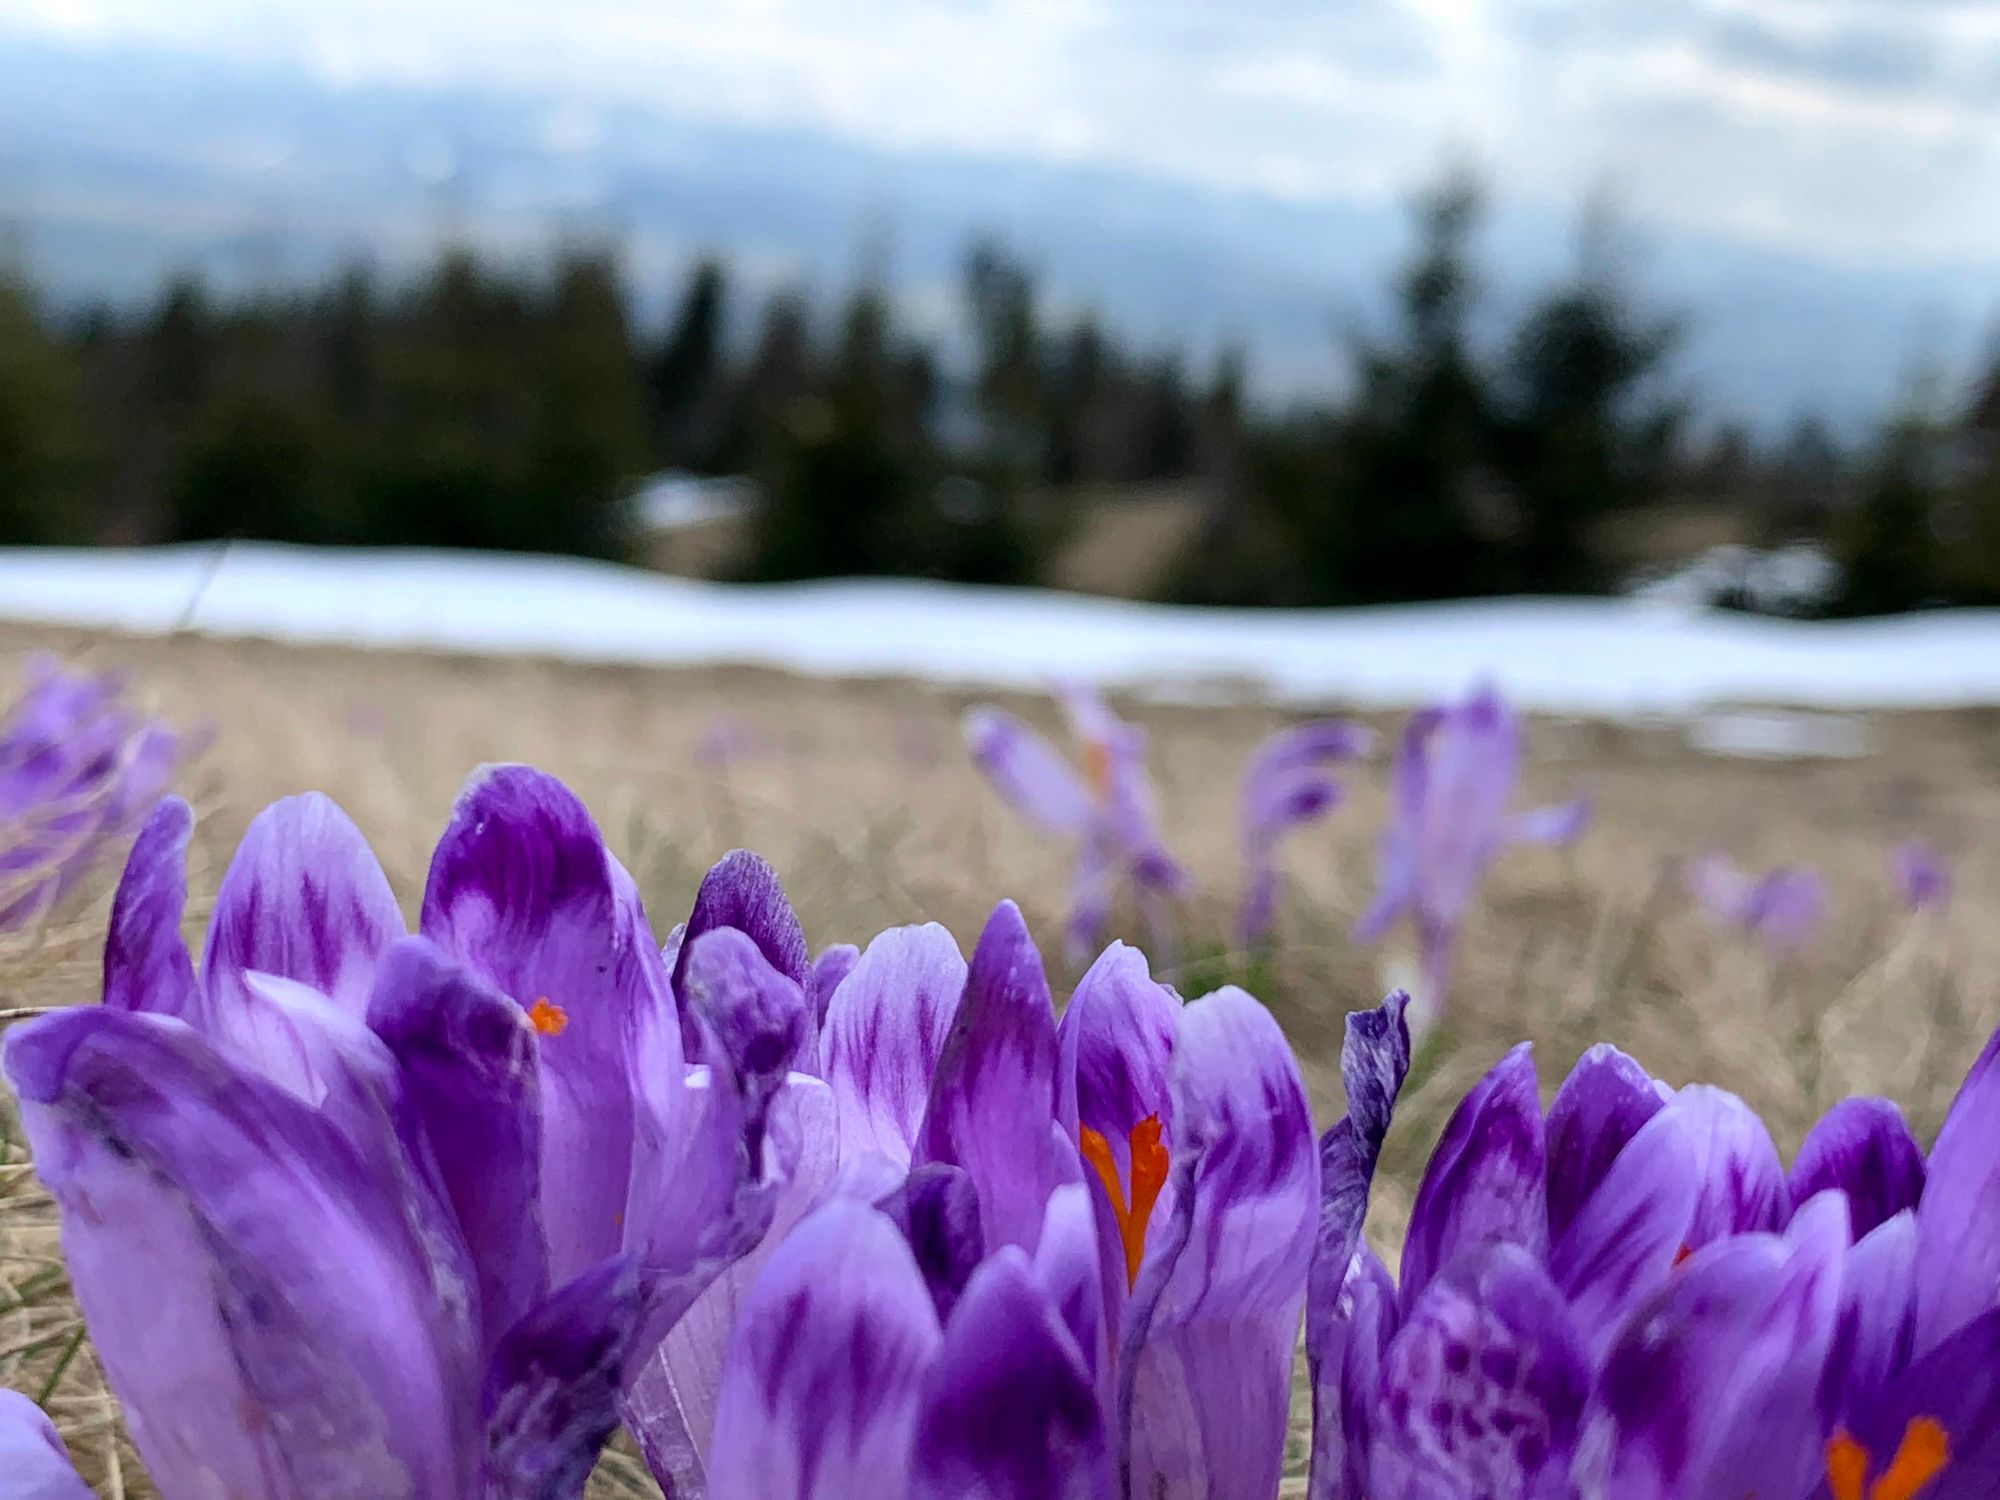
x: 79, y: 769
x: 350, y: 1211
x: 1044, y: 1255
x: 1783, y: 909
x: 1629, y: 1297
x: 1922, y: 877
x: 1454, y: 777
x: 34, y: 1464
x: 1107, y: 809
x: 1286, y: 785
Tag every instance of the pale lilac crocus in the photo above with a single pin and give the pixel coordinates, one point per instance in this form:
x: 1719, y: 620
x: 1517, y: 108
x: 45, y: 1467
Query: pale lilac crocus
x: 34, y: 1464
x: 351, y: 1211
x: 1106, y: 809
x: 1453, y: 780
x: 1783, y: 909
x: 1628, y: 1296
x: 1047, y: 1255
x: 79, y: 770
x: 1922, y: 877
x: 1287, y: 783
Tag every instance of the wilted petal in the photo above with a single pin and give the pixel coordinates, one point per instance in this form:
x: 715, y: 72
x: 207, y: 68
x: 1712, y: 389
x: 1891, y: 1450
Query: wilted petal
x: 473, y: 1103
x: 1626, y: 1237
x: 1713, y: 1388
x: 1742, y: 1184
x: 1483, y: 1389
x: 522, y: 892
x: 1878, y: 1315
x: 1484, y: 1184
x: 146, y: 963
x: 551, y: 1393
x: 992, y: 1106
x: 1027, y: 772
x: 937, y: 1209
x: 1599, y: 1108
x: 1009, y: 1411
x: 264, y: 1297
x: 1209, y: 1333
x: 821, y: 1386
x: 304, y: 899
x: 1863, y: 1147
x: 33, y: 1459
x: 743, y: 891
x: 1347, y: 1344
x: 884, y: 1029
x: 1958, y: 1222
x: 1115, y: 1046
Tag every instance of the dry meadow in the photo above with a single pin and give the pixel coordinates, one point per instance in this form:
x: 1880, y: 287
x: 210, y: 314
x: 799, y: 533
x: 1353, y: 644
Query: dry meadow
x: 861, y: 795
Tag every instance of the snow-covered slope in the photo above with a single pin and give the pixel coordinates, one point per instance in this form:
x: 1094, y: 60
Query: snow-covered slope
x: 1613, y: 657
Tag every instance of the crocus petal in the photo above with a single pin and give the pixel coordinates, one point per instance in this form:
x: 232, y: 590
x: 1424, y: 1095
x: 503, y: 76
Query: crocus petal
x: 1742, y: 1184
x: 1027, y: 772
x: 1957, y: 1386
x: 551, y: 1392
x: 1474, y: 761
x: 1625, y: 1239
x: 1713, y: 1387
x: 743, y: 891
x: 473, y: 1110
x: 1285, y: 786
x: 1090, y: 888
x: 1483, y: 1389
x: 267, y: 1301
x: 1958, y: 1222
x: 1559, y: 823
x: 32, y: 1457
x: 1115, y: 1047
x: 303, y: 899
x: 992, y: 1106
x: 1720, y: 889
x: 146, y: 963
x: 828, y: 970
x: 937, y: 1209
x: 1921, y: 875
x: 670, y: 1406
x: 1484, y: 1184
x: 1209, y: 1333
x: 821, y: 1386
x: 885, y: 1027
x: 1066, y: 1267
x: 1355, y: 1332
x: 1863, y: 1147
x: 1789, y: 906
x: 1009, y: 1411
x: 1599, y: 1108
x: 522, y: 892
x: 1878, y: 1315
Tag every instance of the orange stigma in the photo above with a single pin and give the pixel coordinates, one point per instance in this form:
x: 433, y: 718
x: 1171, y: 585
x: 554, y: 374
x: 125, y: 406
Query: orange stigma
x: 1920, y: 1457
x: 1149, y: 1175
x: 1097, y: 768
x: 548, y: 1019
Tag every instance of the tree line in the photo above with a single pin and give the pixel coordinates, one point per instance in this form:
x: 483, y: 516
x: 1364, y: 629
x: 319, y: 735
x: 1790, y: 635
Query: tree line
x: 482, y: 404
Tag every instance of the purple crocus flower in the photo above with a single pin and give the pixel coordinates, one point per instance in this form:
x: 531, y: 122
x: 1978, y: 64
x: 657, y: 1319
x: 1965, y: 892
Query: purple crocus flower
x: 351, y: 1211
x: 1107, y: 809
x: 79, y: 769
x: 1922, y: 877
x: 32, y: 1458
x: 1783, y: 909
x: 1453, y: 778
x: 1286, y: 784
x: 1628, y: 1296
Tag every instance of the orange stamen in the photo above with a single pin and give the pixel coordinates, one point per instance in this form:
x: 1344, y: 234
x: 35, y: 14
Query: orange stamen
x: 548, y: 1019
x: 1097, y: 768
x: 1922, y: 1455
x: 1680, y: 1255
x: 1149, y: 1175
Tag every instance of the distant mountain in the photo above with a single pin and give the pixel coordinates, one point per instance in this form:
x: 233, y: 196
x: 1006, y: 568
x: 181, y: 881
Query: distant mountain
x: 119, y: 166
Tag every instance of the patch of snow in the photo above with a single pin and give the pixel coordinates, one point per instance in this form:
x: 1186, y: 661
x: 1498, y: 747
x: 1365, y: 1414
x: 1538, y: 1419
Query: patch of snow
x: 676, y: 502
x: 1615, y: 657
x: 1779, y: 735
x: 1797, y: 579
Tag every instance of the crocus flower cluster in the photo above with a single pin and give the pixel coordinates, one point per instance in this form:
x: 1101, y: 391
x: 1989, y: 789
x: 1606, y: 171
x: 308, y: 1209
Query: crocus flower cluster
x: 79, y: 769
x: 1106, y: 809
x: 1628, y: 1295
x: 1287, y: 783
x: 1783, y: 909
x: 1922, y: 878
x: 1452, y: 784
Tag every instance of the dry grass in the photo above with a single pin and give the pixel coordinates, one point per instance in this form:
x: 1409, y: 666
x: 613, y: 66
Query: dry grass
x: 859, y: 793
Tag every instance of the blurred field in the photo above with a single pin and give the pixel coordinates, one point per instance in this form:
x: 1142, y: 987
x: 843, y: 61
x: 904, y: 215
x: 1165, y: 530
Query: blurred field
x: 861, y: 795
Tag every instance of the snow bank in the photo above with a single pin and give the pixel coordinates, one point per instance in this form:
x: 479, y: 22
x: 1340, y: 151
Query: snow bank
x: 1598, y: 656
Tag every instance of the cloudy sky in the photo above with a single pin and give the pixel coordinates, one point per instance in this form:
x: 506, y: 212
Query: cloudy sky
x: 1860, y: 131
